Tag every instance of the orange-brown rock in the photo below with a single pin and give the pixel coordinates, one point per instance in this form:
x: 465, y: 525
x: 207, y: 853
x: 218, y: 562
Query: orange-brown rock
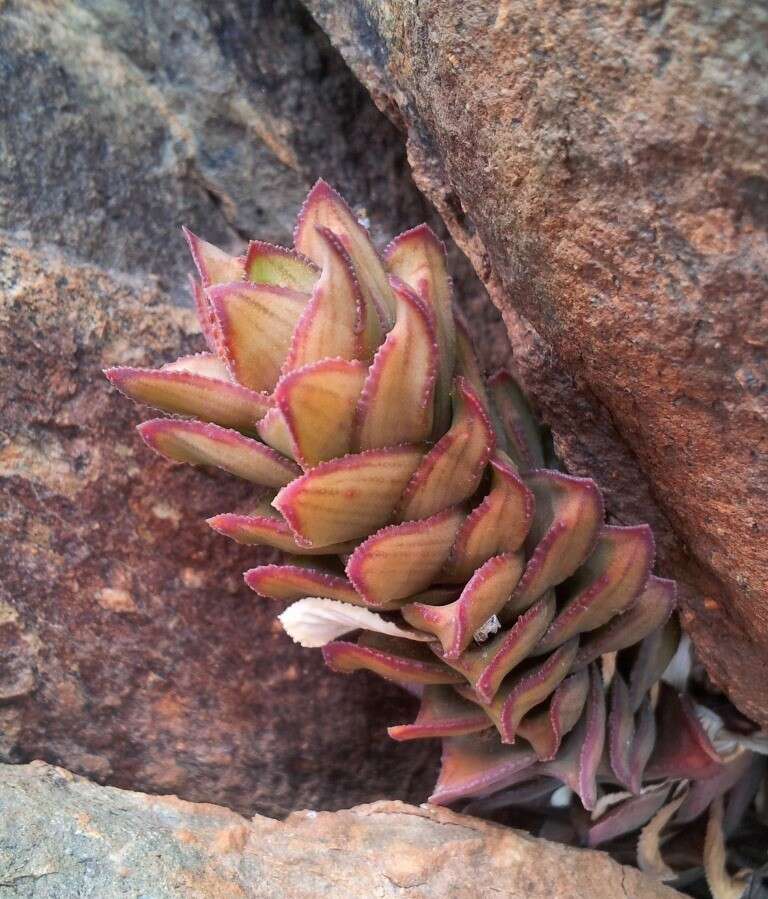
x: 60, y: 835
x: 604, y: 167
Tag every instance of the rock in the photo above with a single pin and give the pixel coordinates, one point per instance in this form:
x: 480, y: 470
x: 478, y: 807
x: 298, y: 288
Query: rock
x: 62, y: 836
x: 130, y: 650
x: 604, y: 168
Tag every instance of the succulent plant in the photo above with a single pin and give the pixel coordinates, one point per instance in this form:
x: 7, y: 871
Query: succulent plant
x: 415, y: 504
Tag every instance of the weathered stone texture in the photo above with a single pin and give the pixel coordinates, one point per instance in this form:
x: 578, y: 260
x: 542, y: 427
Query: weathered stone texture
x: 61, y: 837
x: 604, y: 166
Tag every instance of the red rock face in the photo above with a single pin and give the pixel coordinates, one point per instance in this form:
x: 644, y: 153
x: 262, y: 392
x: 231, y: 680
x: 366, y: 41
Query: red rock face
x: 607, y: 186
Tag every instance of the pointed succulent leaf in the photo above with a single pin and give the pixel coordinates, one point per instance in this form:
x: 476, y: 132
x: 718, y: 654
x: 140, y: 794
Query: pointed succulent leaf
x: 451, y: 471
x: 606, y: 585
x: 274, y: 431
x: 185, y: 393
x: 204, y: 313
x: 477, y: 767
x: 522, y: 435
x: 324, y: 208
x: 621, y: 730
x: 402, y: 559
x: 642, y: 744
x: 592, y: 740
x: 417, y: 257
x: 704, y: 792
x: 214, y: 265
x: 456, y: 623
x: 545, y: 728
x: 390, y: 657
x: 628, y: 815
x: 443, y: 713
x: 486, y: 666
x: 291, y: 582
x: 526, y: 690
x: 647, y: 614
x: 682, y: 748
x: 348, y: 497
x: 266, y: 263
x: 566, y: 521
x: 317, y: 403
x: 397, y: 402
x: 265, y: 528
x: 650, y: 660
x: 199, y: 443
x: 315, y: 621
x: 333, y: 325
x: 255, y: 324
x: 206, y: 364
x: 498, y: 524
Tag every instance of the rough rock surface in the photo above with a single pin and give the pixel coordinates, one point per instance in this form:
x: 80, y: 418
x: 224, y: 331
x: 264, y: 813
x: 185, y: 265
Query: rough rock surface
x: 130, y: 650
x: 61, y: 836
x: 604, y: 167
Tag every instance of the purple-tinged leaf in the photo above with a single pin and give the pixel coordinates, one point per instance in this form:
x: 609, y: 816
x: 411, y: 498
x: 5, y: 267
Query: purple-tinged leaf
x: 255, y: 325
x: 199, y: 443
x: 214, y: 265
x: 318, y: 404
x: 606, y: 585
x: 185, y: 393
x: 266, y: 263
x: 743, y: 793
x: 451, y: 471
x: 642, y: 744
x: 650, y: 660
x: 545, y: 728
x: 443, y: 713
x: 397, y: 401
x: 529, y: 794
x: 526, y: 690
x: 522, y: 435
x: 455, y: 624
x: 647, y: 614
x: 682, y: 748
x: 400, y: 560
x: 417, y: 257
x: 566, y: 522
x: 621, y: 730
x: 473, y: 766
x: 347, y: 498
x: 390, y: 657
x: 324, y: 208
x: 265, y: 528
x: 291, y: 582
x: 627, y: 816
x: 593, y: 740
x: 703, y: 792
x: 499, y: 524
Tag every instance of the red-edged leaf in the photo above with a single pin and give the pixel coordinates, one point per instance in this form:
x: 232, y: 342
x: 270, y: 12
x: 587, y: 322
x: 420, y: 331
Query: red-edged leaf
x: 324, y: 208
x: 417, y: 257
x: 606, y: 585
x: 456, y: 623
x: 526, y: 690
x: 397, y: 402
x: 627, y: 816
x: 704, y: 792
x: 208, y: 399
x: 402, y: 559
x: 290, y: 582
x: 591, y: 751
x: 207, y: 444
x: 521, y: 432
x: 318, y: 404
x: 647, y: 614
x: 545, y: 728
x: 650, y: 660
x: 214, y: 265
x: 348, y: 497
x: 274, y: 431
x: 682, y: 748
x: 266, y: 263
x: 566, y: 521
x: 255, y: 327
x: 206, y: 364
x: 443, y: 713
x: 498, y: 524
x: 451, y: 471
x: 334, y: 323
x: 204, y: 313
x: 477, y: 766
x: 390, y: 657
x: 265, y: 528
